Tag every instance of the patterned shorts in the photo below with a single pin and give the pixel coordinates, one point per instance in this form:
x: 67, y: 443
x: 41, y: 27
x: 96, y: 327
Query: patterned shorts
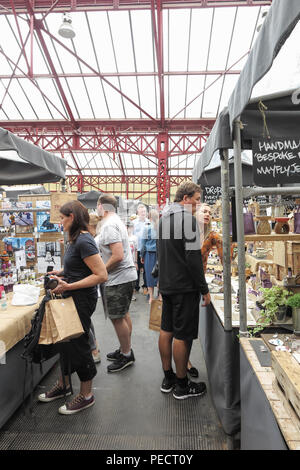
x: 118, y: 299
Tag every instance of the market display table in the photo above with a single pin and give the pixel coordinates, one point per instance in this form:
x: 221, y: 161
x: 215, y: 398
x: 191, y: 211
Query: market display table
x: 15, y: 323
x: 221, y: 351
x: 268, y: 422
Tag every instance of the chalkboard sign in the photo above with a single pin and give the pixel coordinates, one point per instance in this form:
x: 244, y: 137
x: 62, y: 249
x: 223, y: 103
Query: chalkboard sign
x: 276, y: 161
x: 211, y: 194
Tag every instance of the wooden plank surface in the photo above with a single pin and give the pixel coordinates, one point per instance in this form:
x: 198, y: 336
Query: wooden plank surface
x: 273, y: 237
x: 285, y: 416
x: 287, y: 372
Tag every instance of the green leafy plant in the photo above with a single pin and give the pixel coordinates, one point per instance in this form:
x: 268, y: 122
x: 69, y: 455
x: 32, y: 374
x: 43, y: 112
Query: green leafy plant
x: 294, y: 301
x: 273, y: 297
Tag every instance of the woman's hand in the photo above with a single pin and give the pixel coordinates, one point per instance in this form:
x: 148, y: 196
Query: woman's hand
x: 61, y: 287
x: 142, y: 260
x: 56, y: 273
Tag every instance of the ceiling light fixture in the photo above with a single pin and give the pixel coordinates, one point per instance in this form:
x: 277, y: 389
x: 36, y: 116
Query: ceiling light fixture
x: 66, y: 29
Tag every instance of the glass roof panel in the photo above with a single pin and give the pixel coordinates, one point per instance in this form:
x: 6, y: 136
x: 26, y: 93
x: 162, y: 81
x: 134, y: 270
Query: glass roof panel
x: 142, y: 38
x: 121, y: 39
x: 177, y: 24
x: 199, y: 43
x: 221, y: 35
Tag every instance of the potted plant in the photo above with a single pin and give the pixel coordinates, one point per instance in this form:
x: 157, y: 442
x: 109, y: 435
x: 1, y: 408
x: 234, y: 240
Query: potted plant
x: 275, y: 303
x: 248, y: 271
x: 294, y: 302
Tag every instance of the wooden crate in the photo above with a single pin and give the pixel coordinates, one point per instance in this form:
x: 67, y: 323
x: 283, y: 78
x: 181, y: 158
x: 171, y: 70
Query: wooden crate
x: 287, y: 373
x: 293, y: 257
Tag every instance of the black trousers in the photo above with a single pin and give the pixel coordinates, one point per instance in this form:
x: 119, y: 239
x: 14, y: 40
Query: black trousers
x: 140, y: 266
x: 78, y: 350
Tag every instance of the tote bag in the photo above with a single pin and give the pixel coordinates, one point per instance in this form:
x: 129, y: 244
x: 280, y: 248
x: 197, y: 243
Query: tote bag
x: 297, y: 221
x: 155, y: 315
x: 61, y: 321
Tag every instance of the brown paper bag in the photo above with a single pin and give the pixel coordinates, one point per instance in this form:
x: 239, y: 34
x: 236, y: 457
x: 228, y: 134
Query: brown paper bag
x: 155, y: 315
x: 46, y: 330
x: 64, y: 320
x: 58, y: 200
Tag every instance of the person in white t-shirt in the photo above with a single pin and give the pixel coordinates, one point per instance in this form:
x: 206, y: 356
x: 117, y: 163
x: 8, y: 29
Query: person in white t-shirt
x: 133, y: 243
x: 114, y: 248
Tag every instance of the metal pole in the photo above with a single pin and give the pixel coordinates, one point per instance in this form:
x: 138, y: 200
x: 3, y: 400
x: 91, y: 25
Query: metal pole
x: 248, y: 192
x: 64, y: 190
x: 240, y: 226
x: 226, y: 239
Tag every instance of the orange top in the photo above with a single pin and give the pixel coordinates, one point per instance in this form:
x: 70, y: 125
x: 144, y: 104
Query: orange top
x: 213, y: 240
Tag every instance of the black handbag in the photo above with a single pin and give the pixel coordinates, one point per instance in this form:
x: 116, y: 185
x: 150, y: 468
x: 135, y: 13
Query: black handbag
x: 154, y: 271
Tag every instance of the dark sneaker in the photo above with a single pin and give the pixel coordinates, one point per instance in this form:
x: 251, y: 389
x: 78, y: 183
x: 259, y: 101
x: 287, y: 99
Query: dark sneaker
x: 193, y: 389
x: 168, y: 385
x: 121, y: 363
x: 193, y: 372
x: 113, y: 356
x: 78, y: 403
x: 56, y: 392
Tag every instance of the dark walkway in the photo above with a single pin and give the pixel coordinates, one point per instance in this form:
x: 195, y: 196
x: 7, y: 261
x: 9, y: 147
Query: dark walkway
x: 130, y: 411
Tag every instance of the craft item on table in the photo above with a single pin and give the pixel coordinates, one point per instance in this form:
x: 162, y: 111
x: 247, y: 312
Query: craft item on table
x: 283, y: 348
x: 276, y: 342
x: 282, y: 226
x: 261, y: 253
x: 263, y: 227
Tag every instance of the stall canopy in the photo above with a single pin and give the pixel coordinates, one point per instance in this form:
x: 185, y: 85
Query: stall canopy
x: 279, y: 25
x: 25, y: 163
x: 274, y: 116
x: 90, y: 199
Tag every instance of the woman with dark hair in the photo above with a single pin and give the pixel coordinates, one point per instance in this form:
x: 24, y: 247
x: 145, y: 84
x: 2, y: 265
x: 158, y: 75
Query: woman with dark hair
x: 83, y: 271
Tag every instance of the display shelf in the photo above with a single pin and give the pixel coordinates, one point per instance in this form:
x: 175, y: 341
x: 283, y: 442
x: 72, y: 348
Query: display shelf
x: 272, y: 237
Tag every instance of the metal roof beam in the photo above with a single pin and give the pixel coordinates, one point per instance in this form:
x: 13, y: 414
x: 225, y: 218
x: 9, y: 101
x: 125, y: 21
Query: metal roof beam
x: 121, y: 125
x: 43, y: 6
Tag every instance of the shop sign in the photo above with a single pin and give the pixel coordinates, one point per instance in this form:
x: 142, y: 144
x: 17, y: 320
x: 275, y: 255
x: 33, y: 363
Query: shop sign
x: 276, y: 161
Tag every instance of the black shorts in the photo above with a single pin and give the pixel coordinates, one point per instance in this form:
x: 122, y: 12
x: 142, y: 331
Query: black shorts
x: 180, y: 315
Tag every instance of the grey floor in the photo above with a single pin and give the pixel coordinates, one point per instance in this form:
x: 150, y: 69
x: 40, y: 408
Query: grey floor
x: 130, y: 412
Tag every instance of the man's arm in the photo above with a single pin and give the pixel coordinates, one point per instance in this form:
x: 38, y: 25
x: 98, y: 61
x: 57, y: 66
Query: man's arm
x: 117, y: 255
x: 193, y: 254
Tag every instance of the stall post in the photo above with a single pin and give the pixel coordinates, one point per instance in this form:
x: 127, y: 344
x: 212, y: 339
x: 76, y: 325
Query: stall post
x: 64, y: 190
x: 240, y: 225
x: 226, y: 239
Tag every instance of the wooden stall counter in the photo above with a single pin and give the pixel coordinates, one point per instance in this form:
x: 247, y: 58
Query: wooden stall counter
x: 284, y: 415
x: 15, y: 323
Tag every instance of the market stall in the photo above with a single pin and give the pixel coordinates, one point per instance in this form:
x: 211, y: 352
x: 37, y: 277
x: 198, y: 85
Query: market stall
x: 240, y: 126
x: 21, y: 163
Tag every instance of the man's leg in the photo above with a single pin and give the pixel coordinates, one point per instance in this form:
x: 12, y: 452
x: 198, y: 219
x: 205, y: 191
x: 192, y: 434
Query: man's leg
x: 123, y: 332
x: 165, y: 349
x: 181, y: 353
x: 129, y: 323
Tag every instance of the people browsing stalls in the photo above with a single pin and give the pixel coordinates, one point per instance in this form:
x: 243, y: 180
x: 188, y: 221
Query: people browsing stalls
x: 209, y: 240
x: 138, y: 229
x: 115, y: 251
x: 182, y: 281
x: 148, y: 251
x: 133, y: 243
x: 83, y: 270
